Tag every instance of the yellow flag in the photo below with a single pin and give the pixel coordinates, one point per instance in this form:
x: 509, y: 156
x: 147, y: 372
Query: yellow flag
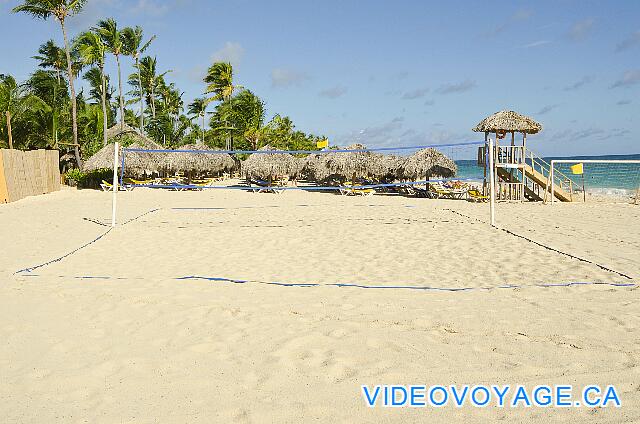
x: 577, y: 169
x: 322, y: 143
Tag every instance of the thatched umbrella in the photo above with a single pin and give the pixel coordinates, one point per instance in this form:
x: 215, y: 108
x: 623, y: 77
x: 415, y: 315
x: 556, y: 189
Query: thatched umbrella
x: 270, y: 166
x: 392, y: 166
x: 348, y: 166
x: 508, y: 121
x: 428, y: 163
x: 116, y: 130
x: 200, y: 163
x: 137, y: 163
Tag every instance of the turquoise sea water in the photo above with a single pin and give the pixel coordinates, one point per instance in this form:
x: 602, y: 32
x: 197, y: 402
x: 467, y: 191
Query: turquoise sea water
x: 599, y: 178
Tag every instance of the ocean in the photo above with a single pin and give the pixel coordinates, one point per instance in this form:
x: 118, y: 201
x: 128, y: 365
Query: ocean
x: 610, y: 179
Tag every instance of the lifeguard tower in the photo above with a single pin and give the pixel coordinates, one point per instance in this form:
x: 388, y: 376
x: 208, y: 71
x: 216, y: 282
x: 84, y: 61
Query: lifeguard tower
x: 519, y: 174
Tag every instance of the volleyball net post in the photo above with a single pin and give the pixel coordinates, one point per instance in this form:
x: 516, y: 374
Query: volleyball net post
x: 115, y: 185
x: 492, y: 185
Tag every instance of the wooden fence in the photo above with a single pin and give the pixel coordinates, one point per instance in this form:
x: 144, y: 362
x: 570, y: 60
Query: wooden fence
x: 28, y: 173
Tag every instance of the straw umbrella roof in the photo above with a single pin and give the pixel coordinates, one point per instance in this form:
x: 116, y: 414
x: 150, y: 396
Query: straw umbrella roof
x: 136, y: 162
x: 348, y: 165
x: 392, y: 167
x: 196, y: 162
x: 116, y: 130
x: 508, y: 121
x: 428, y: 162
x: 269, y: 166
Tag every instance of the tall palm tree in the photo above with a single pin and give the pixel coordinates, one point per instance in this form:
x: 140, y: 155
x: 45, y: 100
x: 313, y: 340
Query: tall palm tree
x: 16, y: 100
x: 219, y: 80
x: 134, y: 48
x: 150, y: 81
x: 53, y: 57
x: 199, y: 108
x: 113, y: 39
x: 60, y: 10
x: 92, y: 52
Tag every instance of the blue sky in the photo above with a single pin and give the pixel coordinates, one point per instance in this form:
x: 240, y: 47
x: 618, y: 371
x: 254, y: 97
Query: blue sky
x: 395, y: 73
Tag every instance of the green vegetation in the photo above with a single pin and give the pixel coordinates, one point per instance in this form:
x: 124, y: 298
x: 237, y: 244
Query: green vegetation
x: 45, y: 111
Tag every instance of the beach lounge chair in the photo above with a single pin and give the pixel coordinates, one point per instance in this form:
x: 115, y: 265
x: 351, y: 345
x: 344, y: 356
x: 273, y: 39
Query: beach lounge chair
x: 107, y: 186
x: 418, y: 191
x: 441, y: 192
x: 475, y: 196
x: 348, y: 191
x: 275, y: 186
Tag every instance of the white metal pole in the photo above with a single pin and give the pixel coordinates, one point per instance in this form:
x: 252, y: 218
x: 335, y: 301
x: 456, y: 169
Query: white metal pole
x: 492, y: 189
x: 552, y: 188
x: 115, y: 184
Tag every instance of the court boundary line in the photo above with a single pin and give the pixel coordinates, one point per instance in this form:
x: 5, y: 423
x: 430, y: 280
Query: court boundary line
x: 550, y: 248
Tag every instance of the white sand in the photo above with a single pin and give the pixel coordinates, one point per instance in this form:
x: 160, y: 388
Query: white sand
x: 146, y: 346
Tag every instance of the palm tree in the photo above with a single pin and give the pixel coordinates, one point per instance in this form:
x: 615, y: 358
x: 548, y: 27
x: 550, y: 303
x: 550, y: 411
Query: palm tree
x: 220, y: 85
x: 149, y: 80
x: 134, y: 48
x: 16, y: 100
x: 60, y: 10
x: 113, y: 39
x: 199, y: 108
x: 92, y: 51
x: 52, y: 56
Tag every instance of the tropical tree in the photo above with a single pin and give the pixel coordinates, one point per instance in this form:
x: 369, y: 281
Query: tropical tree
x: 92, y: 51
x: 16, y: 100
x: 50, y: 56
x: 132, y: 38
x: 220, y: 87
x: 150, y: 81
x: 60, y: 10
x: 198, y: 108
x: 113, y: 39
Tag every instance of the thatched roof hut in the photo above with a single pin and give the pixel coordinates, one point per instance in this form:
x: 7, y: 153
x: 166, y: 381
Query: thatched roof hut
x: 348, y: 166
x: 265, y: 166
x: 392, y: 167
x: 201, y: 163
x: 116, y: 130
x: 507, y: 121
x: 428, y: 163
x: 136, y: 163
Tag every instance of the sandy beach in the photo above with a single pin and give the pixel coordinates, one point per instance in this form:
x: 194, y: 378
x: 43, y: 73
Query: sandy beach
x: 227, y: 306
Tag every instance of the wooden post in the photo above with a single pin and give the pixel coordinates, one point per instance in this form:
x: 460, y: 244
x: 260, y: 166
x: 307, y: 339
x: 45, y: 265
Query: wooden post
x: 484, y: 180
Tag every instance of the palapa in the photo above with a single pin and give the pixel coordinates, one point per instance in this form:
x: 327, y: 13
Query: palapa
x: 392, y: 166
x: 136, y: 163
x: 347, y: 166
x: 270, y: 166
x: 201, y: 163
x: 508, y: 121
x: 427, y: 163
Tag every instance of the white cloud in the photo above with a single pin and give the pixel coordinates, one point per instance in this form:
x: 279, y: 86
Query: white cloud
x: 538, y: 43
x: 460, y: 87
x: 418, y: 93
x: 283, y: 78
x: 334, y: 92
x: 231, y: 52
x: 631, y: 41
x: 581, y: 30
x: 629, y: 78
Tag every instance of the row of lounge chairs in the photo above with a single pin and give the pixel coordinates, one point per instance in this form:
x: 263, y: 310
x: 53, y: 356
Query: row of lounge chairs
x: 437, y: 190
x: 176, y: 182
